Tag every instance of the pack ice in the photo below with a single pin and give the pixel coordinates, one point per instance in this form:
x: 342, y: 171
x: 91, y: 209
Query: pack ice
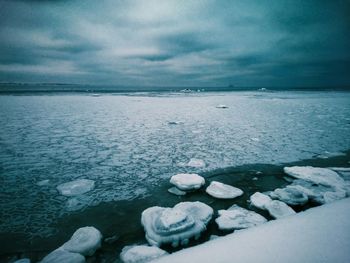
x: 187, y: 181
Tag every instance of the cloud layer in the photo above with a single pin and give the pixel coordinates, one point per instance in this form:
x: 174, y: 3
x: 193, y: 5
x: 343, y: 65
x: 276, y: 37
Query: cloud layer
x: 176, y: 43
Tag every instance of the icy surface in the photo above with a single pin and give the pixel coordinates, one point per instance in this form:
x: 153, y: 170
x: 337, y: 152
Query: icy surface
x: 223, y: 191
x: 117, y: 140
x: 278, y: 209
x: 176, y: 225
x: 316, y: 175
x: 141, y: 254
x: 76, y: 187
x: 187, y: 181
x: 85, y: 240
x: 60, y: 255
x: 238, y: 218
x: 290, y: 195
x: 260, y: 200
x: 310, y: 236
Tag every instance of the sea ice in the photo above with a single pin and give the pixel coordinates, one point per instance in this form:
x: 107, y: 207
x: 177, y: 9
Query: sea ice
x: 196, y: 163
x: 176, y: 225
x: 238, y: 218
x: 141, y: 254
x: 60, y: 255
x: 85, y: 240
x: 223, y: 191
x: 278, y: 209
x: 176, y: 191
x: 260, y: 200
x: 316, y: 175
x: 76, y: 187
x: 290, y: 195
x: 187, y: 181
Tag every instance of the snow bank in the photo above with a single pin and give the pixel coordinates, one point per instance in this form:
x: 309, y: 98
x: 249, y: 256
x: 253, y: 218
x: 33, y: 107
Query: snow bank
x: 187, y: 181
x: 76, y: 187
x: 310, y: 236
x: 223, y: 191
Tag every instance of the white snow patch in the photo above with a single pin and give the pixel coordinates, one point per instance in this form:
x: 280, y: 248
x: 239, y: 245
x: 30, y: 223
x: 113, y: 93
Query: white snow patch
x: 238, y: 218
x: 85, y: 240
x: 76, y: 187
x: 141, y: 254
x: 311, y: 236
x: 223, y: 191
x: 187, y: 181
x: 260, y: 200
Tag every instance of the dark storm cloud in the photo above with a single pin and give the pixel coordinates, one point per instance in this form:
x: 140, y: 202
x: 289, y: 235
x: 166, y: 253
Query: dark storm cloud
x: 194, y: 43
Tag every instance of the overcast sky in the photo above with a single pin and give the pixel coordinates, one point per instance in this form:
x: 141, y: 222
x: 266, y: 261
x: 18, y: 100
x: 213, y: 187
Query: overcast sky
x: 176, y: 43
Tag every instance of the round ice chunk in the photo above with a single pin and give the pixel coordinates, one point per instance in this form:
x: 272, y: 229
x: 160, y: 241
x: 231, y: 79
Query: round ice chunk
x: 198, y: 210
x: 196, y: 163
x: 238, y: 218
x: 316, y: 175
x: 223, y: 191
x: 290, y: 195
x: 260, y: 200
x: 187, y: 181
x: 163, y: 226
x: 76, y: 187
x: 60, y: 255
x: 85, y: 240
x: 141, y: 254
x: 278, y: 209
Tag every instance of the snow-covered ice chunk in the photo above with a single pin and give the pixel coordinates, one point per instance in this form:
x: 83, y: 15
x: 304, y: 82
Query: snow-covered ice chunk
x: 221, y: 106
x: 176, y: 191
x: 260, y: 200
x: 223, y: 191
x: 141, y: 254
x: 238, y: 218
x: 176, y: 225
x: 76, y: 187
x: 290, y: 195
x: 196, y: 163
x: 315, y: 175
x: 330, y: 197
x: 198, y: 210
x: 187, y: 181
x: 85, y: 240
x: 278, y: 209
x: 61, y: 255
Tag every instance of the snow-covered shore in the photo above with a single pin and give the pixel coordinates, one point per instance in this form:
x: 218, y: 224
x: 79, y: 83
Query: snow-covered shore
x: 320, y: 234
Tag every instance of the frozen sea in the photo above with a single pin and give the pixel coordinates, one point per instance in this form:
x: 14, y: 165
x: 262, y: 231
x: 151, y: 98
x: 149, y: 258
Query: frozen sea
x: 131, y: 143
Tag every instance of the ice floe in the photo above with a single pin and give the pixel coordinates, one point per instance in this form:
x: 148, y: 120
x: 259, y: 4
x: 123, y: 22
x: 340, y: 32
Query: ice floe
x: 76, y: 187
x: 196, y: 163
x: 61, y: 255
x: 223, y: 191
x: 238, y: 218
x: 176, y: 225
x: 85, y: 240
x: 260, y: 200
x: 176, y: 191
x: 141, y: 254
x: 187, y: 181
x: 290, y: 195
x: 278, y: 209
x: 315, y: 175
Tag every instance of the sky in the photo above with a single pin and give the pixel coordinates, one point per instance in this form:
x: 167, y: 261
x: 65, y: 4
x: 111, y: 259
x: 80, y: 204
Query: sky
x: 176, y: 43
